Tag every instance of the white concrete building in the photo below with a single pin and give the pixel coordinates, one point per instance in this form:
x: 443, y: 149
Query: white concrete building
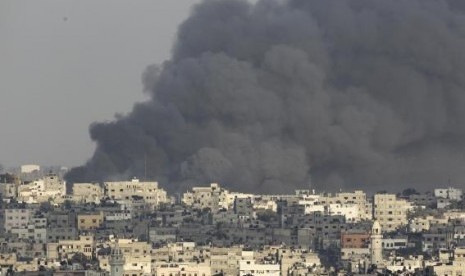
x: 30, y: 168
x: 450, y: 269
x: 213, y: 197
x: 349, y: 211
x: 16, y: 218
x: 186, y: 269
x: 265, y: 204
x: 390, y: 212
x: 423, y: 224
x: 87, y: 192
x: 118, y: 216
x: 311, y: 203
x: 42, y: 190
x: 394, y: 243
x: 449, y: 193
x: 290, y: 258
x: 406, y: 265
x: 9, y: 190
x: 250, y: 267
x: 357, y: 197
x: 67, y: 248
x: 442, y: 203
x: 149, y: 192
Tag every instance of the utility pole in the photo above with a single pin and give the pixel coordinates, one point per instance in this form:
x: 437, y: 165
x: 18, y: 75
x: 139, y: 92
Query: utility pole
x: 145, y: 166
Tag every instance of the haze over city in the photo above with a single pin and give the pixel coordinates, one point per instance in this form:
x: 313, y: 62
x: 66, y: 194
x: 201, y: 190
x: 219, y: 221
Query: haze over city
x: 232, y: 137
x: 265, y: 95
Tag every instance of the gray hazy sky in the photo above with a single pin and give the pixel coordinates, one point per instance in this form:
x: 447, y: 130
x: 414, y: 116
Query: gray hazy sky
x: 65, y: 64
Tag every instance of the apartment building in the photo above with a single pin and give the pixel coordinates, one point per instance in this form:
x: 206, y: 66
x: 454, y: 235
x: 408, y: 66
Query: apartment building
x: 359, y: 198
x: 16, y: 218
x: 9, y: 190
x: 87, y: 192
x: 449, y: 193
x: 89, y: 221
x: 42, y: 190
x: 225, y: 260
x: 250, y: 267
x: 186, y: 269
x: 64, y: 249
x: 213, y: 197
x: 390, y: 212
x: 134, y: 190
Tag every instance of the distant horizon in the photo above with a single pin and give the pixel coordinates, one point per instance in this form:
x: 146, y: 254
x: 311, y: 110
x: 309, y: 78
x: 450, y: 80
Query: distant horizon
x: 263, y: 95
x: 164, y: 184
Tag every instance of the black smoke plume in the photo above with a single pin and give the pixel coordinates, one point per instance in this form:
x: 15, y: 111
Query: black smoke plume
x: 261, y: 97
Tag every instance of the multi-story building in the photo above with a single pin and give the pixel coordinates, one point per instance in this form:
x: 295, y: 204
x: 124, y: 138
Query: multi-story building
x: 243, y: 206
x: 213, y: 197
x: 9, y: 190
x: 428, y: 200
x: 89, y: 221
x: 30, y: 168
x: 250, y: 267
x: 435, y: 240
x: 65, y: 249
x: 449, y: 193
x: 137, y: 256
x: 31, y: 232
x: 394, y: 243
x: 87, y: 192
x: 349, y: 211
x: 134, y: 190
x: 390, y: 212
x: 357, y: 197
x: 16, y: 218
x: 423, y: 224
x: 187, y: 268
x: 61, y: 219
x: 454, y: 268
x: 42, y: 190
x: 290, y: 258
x: 61, y: 234
x: 225, y: 260
x: 355, y: 239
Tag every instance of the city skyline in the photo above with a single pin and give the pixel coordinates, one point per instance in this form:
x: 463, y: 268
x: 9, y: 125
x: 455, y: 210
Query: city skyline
x: 268, y: 95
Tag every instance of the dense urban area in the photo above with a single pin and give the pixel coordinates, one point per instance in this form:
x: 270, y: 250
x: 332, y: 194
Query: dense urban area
x: 135, y: 228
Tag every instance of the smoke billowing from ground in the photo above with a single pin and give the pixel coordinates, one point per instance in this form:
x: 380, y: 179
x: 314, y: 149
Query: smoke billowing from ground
x: 259, y: 97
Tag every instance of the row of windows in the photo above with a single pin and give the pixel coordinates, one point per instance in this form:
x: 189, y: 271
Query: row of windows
x: 93, y: 221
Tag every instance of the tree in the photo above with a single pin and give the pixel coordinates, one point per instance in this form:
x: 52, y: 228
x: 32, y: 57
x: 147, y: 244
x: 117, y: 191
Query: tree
x: 457, y: 204
x: 80, y: 258
x: 46, y: 207
x: 409, y: 191
x: 267, y: 216
x: 67, y: 204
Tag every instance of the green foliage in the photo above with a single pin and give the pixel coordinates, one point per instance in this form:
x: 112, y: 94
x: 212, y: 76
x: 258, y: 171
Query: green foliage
x: 45, y: 207
x: 409, y: 191
x: 67, y: 204
x: 267, y: 216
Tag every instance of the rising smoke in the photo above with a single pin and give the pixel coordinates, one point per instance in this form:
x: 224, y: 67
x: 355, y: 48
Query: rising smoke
x: 261, y: 97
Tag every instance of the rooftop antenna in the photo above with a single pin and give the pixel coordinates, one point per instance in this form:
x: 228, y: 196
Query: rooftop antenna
x: 145, y: 166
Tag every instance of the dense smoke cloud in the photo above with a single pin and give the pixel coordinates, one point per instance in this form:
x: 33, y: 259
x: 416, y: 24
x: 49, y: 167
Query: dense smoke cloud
x: 259, y: 97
